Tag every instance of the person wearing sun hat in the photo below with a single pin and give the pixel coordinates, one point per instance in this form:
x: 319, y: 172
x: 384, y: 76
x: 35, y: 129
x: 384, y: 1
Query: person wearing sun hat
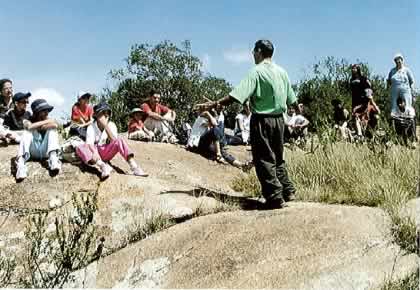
x: 102, y: 143
x: 401, y: 81
x: 81, y: 115
x: 136, y: 128
x: 39, y: 140
x: 14, y: 118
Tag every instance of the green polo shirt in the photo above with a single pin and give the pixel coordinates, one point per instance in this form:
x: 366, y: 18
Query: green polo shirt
x: 268, y: 87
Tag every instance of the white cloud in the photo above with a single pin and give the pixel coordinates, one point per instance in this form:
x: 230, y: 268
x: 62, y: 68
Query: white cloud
x: 54, y: 98
x: 206, y: 60
x: 238, y: 56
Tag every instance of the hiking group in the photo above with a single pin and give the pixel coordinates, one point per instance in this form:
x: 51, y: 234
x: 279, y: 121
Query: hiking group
x: 270, y: 116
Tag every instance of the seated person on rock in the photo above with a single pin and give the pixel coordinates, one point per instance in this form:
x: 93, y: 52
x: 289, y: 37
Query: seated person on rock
x: 103, y: 143
x: 206, y: 139
x: 159, y: 118
x: 366, y: 115
x: 341, y: 118
x: 6, y: 95
x: 136, y: 128
x: 296, y: 125
x: 404, y: 120
x: 6, y: 104
x: 13, y: 121
x: 81, y: 115
x: 242, y: 123
x: 39, y: 140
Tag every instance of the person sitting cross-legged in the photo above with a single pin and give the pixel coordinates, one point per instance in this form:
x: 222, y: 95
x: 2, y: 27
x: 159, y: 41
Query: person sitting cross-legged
x: 39, y: 140
x: 136, y: 128
x: 159, y: 118
x: 12, y: 129
x: 103, y: 143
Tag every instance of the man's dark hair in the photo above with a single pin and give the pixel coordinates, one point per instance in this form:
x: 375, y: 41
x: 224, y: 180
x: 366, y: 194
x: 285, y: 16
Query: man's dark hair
x: 265, y: 47
x: 3, y: 81
x: 153, y: 91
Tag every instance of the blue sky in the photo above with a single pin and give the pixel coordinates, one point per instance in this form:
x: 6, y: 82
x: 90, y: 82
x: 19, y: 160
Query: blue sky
x: 56, y: 48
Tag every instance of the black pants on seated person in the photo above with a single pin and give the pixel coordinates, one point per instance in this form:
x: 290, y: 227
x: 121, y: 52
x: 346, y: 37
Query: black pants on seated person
x: 206, y: 149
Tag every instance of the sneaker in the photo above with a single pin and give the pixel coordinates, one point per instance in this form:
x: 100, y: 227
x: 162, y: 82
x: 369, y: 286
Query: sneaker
x: 54, y: 164
x: 105, y: 171
x: 139, y: 172
x: 22, y: 171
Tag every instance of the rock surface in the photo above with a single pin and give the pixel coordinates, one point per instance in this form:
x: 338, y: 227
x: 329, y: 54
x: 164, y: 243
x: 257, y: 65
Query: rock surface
x: 304, y: 246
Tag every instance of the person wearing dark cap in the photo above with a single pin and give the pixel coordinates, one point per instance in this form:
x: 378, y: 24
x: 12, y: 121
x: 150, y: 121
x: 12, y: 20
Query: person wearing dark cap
x: 81, y: 115
x: 6, y: 95
x: 14, y: 118
x: 136, y: 128
x: 103, y: 143
x: 268, y: 87
x: 39, y: 140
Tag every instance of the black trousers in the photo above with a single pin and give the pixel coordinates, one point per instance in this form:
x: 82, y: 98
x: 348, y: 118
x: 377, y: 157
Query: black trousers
x: 267, y: 139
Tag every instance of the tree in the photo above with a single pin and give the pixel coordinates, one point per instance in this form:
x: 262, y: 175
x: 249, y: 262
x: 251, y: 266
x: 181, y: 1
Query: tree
x: 173, y: 71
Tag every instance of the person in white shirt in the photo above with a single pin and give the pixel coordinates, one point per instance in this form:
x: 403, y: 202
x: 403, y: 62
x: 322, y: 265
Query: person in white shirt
x: 207, y: 137
x: 404, y: 120
x: 296, y: 125
x: 39, y: 140
x: 242, y: 124
x: 103, y: 143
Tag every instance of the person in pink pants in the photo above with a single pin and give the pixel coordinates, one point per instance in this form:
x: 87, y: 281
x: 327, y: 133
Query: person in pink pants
x: 103, y: 143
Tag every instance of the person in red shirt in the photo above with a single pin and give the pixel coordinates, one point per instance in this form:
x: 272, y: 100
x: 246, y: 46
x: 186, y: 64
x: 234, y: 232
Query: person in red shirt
x: 136, y: 129
x: 159, y: 118
x: 81, y: 115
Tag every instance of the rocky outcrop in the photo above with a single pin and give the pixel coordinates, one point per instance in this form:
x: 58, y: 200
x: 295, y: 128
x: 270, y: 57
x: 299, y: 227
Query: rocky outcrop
x: 304, y: 246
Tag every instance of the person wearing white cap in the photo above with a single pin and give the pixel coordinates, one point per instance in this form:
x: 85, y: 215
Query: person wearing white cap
x: 400, y: 80
x: 39, y: 140
x: 136, y: 128
x: 81, y: 115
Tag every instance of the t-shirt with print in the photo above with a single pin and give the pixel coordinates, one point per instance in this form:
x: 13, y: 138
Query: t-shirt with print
x: 158, y: 109
x: 94, y: 136
x: 135, y: 125
x: 77, y: 114
x: 15, y: 121
x: 268, y: 87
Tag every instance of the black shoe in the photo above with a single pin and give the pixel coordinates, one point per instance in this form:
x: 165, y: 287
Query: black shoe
x: 274, y: 204
x: 289, y: 196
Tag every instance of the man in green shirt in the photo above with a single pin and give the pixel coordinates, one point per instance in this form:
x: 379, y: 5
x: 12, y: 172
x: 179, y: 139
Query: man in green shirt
x: 268, y: 88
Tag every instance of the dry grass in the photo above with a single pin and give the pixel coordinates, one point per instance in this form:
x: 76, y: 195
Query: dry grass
x: 354, y: 175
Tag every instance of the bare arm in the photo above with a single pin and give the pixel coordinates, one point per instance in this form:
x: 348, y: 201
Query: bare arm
x: 104, y: 124
x: 209, y: 117
x: 44, y: 125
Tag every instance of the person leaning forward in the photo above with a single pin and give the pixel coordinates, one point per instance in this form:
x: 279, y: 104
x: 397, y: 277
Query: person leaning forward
x: 268, y: 87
